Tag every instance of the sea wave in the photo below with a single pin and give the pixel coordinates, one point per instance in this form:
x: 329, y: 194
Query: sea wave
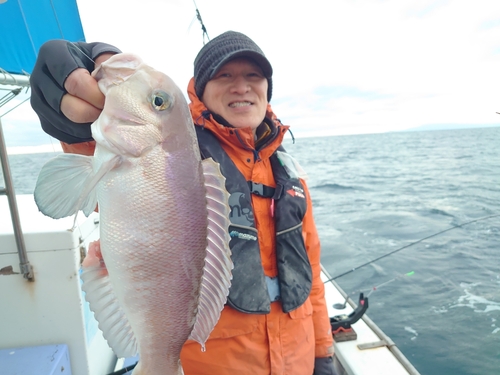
x: 382, y: 193
x: 332, y: 187
x: 25, y: 150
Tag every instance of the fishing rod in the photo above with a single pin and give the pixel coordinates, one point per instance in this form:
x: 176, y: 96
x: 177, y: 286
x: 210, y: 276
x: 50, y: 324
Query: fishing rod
x: 203, y: 28
x: 409, y: 245
x: 377, y: 287
x: 124, y: 370
x: 341, y: 306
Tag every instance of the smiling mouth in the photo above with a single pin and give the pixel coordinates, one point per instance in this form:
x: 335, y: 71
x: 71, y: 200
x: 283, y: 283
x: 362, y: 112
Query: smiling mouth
x: 239, y: 104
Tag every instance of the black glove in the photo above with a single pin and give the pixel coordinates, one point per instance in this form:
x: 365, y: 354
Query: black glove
x: 324, y: 366
x: 56, y: 60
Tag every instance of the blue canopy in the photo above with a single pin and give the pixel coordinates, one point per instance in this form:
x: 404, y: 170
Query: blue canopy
x: 26, y: 24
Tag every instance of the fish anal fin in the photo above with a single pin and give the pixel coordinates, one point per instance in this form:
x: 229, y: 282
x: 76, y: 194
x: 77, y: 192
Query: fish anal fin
x: 216, y: 278
x: 112, y: 321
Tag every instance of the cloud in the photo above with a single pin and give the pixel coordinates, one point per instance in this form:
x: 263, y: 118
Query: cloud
x: 342, y: 67
x: 386, y: 63
x: 24, y: 133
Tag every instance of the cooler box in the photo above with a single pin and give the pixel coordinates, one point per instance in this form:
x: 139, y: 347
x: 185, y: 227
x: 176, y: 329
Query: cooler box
x: 38, y: 360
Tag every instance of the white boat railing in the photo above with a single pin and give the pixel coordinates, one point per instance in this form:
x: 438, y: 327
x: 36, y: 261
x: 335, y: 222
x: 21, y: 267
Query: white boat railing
x: 16, y: 83
x: 9, y: 79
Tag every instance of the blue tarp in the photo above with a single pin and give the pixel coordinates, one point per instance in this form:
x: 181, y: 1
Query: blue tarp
x: 26, y: 24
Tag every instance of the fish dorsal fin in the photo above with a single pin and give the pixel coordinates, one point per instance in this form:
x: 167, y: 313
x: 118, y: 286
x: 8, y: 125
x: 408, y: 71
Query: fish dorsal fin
x: 60, y: 184
x: 217, y: 275
x: 66, y: 184
x: 112, y: 321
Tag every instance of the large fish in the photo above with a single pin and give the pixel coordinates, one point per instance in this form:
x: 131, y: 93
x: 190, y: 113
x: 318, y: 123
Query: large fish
x: 163, y: 218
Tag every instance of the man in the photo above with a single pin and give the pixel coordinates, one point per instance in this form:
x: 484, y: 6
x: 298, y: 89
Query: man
x: 275, y: 320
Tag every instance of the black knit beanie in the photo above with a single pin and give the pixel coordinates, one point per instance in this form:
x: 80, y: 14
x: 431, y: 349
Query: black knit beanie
x: 221, y: 50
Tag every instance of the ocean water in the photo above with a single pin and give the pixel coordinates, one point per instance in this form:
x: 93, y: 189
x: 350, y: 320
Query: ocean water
x: 373, y: 194
x: 438, y: 299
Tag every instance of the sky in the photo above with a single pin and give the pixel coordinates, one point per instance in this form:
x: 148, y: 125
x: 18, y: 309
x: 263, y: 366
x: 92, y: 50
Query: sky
x: 340, y: 66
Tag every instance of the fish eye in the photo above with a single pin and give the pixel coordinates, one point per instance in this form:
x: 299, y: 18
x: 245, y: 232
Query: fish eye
x: 161, y: 101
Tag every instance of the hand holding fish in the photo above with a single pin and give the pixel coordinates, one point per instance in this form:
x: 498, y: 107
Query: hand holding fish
x: 63, y: 91
x: 94, y: 257
x: 84, y: 100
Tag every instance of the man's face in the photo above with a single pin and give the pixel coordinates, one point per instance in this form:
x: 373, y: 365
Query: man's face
x: 238, y: 93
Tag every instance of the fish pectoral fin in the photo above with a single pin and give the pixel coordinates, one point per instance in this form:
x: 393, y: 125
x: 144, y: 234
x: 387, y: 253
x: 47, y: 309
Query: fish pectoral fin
x: 88, y: 198
x: 217, y: 276
x: 60, y: 183
x: 66, y: 184
x: 112, y: 320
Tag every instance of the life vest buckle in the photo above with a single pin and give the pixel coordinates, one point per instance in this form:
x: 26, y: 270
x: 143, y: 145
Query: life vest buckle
x: 261, y: 190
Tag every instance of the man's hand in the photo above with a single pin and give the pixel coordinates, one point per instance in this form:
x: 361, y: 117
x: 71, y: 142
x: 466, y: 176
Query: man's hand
x: 64, y: 95
x: 84, y: 101
x: 325, y: 366
x: 94, y: 258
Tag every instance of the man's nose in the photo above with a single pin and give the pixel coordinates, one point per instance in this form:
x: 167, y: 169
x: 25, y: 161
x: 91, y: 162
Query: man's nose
x: 240, y: 85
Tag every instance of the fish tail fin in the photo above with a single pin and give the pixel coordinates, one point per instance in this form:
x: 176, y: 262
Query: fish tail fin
x: 217, y: 276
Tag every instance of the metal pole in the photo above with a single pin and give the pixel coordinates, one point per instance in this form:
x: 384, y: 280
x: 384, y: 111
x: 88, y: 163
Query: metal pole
x: 14, y: 80
x: 26, y: 268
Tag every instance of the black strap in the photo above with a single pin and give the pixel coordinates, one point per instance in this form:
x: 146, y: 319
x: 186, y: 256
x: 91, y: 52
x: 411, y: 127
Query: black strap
x: 261, y: 190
